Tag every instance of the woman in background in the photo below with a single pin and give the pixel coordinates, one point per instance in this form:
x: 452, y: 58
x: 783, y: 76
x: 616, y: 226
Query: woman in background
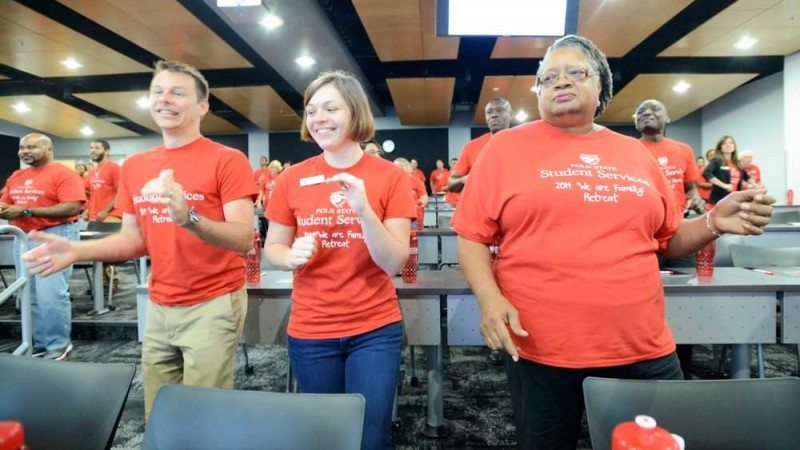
x: 725, y: 172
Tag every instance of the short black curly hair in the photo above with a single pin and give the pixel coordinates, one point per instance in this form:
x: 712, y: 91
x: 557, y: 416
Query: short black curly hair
x: 596, y: 58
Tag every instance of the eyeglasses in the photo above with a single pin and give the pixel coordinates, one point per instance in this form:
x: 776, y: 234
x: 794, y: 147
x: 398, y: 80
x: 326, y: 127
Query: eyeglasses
x: 574, y: 74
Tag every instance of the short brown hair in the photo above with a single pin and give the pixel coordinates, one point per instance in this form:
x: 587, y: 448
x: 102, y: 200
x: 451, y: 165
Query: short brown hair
x: 362, y: 124
x: 179, y: 67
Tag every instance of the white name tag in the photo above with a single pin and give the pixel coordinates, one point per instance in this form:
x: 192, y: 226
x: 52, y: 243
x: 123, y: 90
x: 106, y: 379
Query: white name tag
x: 310, y: 181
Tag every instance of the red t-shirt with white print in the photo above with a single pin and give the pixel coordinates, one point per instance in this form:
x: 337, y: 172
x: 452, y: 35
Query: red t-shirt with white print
x: 341, y: 292
x: 676, y: 161
x: 579, y: 219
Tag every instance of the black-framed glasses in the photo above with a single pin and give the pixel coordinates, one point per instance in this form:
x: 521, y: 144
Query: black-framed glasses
x: 574, y: 74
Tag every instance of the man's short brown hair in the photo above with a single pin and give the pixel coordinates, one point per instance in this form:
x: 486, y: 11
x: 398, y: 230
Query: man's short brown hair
x: 362, y: 124
x: 179, y: 67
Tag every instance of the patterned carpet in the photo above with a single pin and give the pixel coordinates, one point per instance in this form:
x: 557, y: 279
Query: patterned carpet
x: 476, y: 397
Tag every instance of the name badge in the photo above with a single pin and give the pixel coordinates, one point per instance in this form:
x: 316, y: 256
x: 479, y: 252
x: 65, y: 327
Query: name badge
x: 310, y: 181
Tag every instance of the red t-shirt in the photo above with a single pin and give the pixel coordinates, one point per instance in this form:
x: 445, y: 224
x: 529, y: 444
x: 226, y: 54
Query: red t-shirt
x: 419, y: 175
x: 262, y: 176
x: 469, y: 154
x: 266, y: 189
x: 418, y: 188
x: 43, y: 186
x: 186, y: 269
x: 705, y: 193
x: 439, y: 179
x: 755, y: 173
x: 451, y: 198
x: 579, y: 219
x: 341, y: 292
x: 676, y: 161
x: 102, y: 183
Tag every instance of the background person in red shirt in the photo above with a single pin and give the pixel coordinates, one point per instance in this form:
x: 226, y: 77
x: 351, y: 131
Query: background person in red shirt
x: 372, y: 147
x: 341, y: 222
x: 752, y: 170
x: 498, y: 117
x: 416, y: 171
x: 703, y: 186
x: 195, y: 225
x: 725, y: 172
x: 580, y: 213
x: 102, y: 183
x: 45, y: 196
x: 439, y: 178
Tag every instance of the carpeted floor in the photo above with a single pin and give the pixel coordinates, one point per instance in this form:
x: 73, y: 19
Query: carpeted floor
x: 476, y: 398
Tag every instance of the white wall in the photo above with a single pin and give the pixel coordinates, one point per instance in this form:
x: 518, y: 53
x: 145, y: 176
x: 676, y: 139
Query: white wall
x: 689, y: 131
x: 754, y: 115
x: 791, y: 113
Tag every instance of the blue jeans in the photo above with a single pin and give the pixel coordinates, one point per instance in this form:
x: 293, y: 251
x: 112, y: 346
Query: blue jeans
x: 51, y: 311
x: 368, y: 364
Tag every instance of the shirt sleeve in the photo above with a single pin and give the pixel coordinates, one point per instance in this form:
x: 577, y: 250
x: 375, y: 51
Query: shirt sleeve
x: 464, y: 164
x: 124, y: 202
x: 70, y: 187
x: 400, y: 201
x: 278, y: 208
x: 233, y: 178
x: 691, y: 173
x: 673, y: 213
x: 477, y: 215
x: 711, y: 169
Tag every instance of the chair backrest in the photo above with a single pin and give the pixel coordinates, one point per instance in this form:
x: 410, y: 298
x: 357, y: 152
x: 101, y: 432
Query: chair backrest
x: 105, y: 227
x: 64, y: 404
x: 752, y: 256
x: 784, y: 217
x: 198, y: 418
x: 708, y: 414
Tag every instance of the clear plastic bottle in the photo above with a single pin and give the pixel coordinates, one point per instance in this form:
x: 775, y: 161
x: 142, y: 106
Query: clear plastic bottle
x: 790, y: 197
x: 642, y: 434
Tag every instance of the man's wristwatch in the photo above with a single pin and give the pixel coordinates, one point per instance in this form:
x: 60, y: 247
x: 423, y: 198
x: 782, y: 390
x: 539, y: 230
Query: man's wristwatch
x: 27, y: 212
x: 193, y: 220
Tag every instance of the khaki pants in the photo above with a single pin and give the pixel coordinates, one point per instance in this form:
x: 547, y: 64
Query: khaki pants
x: 194, y: 345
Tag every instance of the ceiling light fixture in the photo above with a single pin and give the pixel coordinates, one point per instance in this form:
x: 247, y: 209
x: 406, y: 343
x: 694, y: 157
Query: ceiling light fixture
x: 271, y: 21
x: 521, y: 116
x: 305, y: 61
x: 235, y: 3
x: 71, y: 63
x: 746, y: 42
x: 143, y: 102
x: 681, y: 87
x: 21, y: 107
x: 495, y: 89
x: 86, y: 131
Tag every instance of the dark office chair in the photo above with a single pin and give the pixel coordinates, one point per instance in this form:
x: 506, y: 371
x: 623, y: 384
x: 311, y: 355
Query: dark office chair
x: 753, y: 256
x: 197, y: 418
x: 708, y: 414
x: 64, y: 405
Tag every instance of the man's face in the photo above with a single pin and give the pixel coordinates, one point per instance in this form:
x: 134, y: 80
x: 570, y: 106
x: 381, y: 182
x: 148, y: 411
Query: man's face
x: 498, y: 116
x: 263, y: 162
x: 96, y: 152
x: 439, y: 164
x: 453, y: 163
x: 173, y: 102
x: 34, y: 152
x: 651, y: 117
x: 746, y: 159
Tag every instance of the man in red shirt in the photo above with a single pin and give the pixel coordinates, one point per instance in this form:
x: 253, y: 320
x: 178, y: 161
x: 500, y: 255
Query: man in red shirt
x: 262, y: 175
x: 195, y: 225
x: 498, y: 117
x: 102, y: 183
x: 45, y: 196
x: 746, y: 158
x: 417, y: 172
x: 439, y: 178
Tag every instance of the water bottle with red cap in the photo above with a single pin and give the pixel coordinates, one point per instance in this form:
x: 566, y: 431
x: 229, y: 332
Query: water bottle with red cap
x: 790, y: 197
x: 644, y: 434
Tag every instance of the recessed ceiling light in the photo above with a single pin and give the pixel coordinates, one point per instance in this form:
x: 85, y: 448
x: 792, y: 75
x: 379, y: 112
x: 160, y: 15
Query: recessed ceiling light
x: 271, y: 21
x: 521, y: 116
x: 71, y: 63
x: 495, y: 89
x: 21, y: 107
x: 143, y: 102
x: 86, y: 131
x: 745, y: 43
x: 234, y: 3
x: 305, y: 61
x: 681, y: 87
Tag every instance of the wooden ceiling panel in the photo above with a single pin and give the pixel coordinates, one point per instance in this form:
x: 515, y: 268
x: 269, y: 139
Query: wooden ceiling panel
x: 36, y: 44
x: 705, y: 88
x: 58, y: 119
x: 422, y: 101
x: 774, y: 23
x: 517, y: 89
x: 124, y: 104
x: 164, y: 28
x: 405, y: 30
x: 616, y: 27
x: 262, y: 105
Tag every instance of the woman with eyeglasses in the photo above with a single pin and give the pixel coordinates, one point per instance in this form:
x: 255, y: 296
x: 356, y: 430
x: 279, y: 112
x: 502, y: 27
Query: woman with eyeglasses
x: 580, y: 213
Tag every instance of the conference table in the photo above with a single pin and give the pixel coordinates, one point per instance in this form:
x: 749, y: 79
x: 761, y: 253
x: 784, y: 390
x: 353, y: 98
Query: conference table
x: 98, y: 297
x: 736, y: 306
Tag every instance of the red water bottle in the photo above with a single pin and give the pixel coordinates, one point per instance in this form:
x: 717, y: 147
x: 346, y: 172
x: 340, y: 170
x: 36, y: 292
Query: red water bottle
x: 410, y: 269
x: 705, y: 260
x: 642, y: 434
x: 254, y: 261
x: 420, y: 217
x: 12, y: 436
x: 790, y: 197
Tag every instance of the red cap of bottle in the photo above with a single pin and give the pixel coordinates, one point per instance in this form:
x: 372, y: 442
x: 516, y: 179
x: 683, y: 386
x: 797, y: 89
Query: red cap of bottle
x: 642, y: 434
x: 12, y: 435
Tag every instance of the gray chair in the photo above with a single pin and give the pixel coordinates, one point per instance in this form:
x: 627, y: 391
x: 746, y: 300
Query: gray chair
x: 64, y: 405
x: 197, y: 418
x: 708, y: 414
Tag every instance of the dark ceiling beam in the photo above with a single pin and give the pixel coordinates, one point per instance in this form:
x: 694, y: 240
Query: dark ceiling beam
x: 268, y: 74
x: 346, y: 22
x: 473, y: 54
x: 92, y: 30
